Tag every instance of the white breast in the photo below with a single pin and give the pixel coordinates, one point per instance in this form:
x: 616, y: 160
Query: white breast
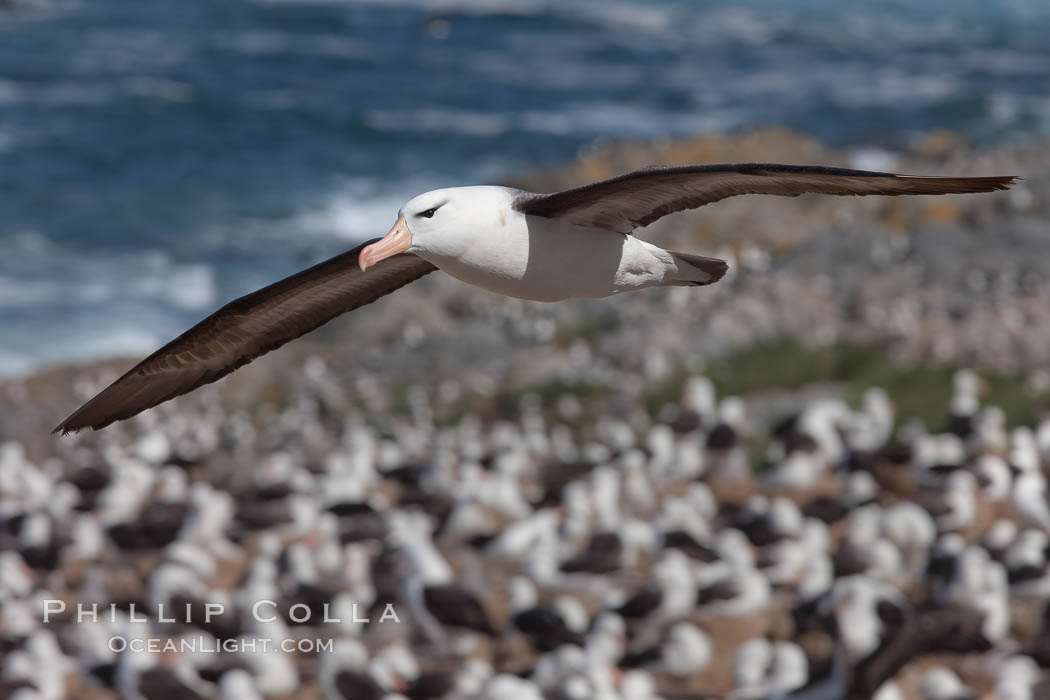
x: 548, y: 260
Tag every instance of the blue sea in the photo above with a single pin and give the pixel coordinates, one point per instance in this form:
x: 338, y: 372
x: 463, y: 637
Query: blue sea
x: 158, y: 158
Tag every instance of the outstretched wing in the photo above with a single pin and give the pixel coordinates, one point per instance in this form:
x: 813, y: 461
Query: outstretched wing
x: 637, y: 199
x: 244, y: 329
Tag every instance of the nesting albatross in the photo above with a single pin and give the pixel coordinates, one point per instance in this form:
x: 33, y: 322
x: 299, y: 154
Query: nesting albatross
x: 544, y: 247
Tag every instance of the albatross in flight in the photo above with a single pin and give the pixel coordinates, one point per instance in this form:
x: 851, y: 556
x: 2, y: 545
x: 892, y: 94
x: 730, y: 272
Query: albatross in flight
x: 545, y: 247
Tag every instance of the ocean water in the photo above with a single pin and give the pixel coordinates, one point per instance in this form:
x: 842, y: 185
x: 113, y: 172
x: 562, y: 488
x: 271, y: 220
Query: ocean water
x: 159, y: 158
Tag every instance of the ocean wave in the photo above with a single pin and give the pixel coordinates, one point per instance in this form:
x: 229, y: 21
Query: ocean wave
x: 610, y: 119
x: 48, y: 277
x: 591, y: 119
x: 58, y: 93
x: 14, y: 365
x: 103, y: 52
x: 477, y: 7
x: 623, y: 15
x: 267, y: 43
x: 893, y: 86
x: 437, y: 121
x: 634, y: 17
x: 552, y: 70
x: 60, y: 304
x: 36, y: 10
x: 56, y: 341
x: 356, y: 210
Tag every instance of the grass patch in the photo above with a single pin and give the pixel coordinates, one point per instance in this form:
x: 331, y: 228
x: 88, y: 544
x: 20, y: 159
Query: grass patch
x: 586, y: 328
x: 921, y: 391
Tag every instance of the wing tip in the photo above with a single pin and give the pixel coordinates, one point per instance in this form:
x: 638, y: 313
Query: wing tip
x: 65, y: 427
x: 970, y: 185
x: 91, y: 415
x: 1000, y: 182
x: 72, y: 426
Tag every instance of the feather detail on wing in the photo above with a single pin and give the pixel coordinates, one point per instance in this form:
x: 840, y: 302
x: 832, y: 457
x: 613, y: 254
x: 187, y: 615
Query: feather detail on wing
x: 637, y: 199
x: 245, y: 329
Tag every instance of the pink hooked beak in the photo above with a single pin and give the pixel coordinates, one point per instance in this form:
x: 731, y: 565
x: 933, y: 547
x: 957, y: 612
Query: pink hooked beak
x: 398, y: 239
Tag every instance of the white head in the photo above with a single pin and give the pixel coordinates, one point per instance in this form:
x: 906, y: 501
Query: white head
x: 441, y: 222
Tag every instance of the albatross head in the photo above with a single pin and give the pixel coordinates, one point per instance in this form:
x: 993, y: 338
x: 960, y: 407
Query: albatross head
x: 441, y: 222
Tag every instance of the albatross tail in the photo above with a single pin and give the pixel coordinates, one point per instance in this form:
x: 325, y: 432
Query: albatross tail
x: 695, y: 270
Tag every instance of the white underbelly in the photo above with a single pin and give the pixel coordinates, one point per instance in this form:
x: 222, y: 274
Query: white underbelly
x: 555, y: 262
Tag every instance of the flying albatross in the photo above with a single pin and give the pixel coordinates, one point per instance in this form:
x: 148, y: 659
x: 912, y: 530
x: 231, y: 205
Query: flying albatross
x: 544, y: 247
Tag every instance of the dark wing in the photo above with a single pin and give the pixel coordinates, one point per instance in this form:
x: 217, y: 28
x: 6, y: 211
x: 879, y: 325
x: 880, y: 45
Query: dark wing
x: 456, y: 607
x: 637, y: 199
x: 919, y: 633
x: 244, y: 329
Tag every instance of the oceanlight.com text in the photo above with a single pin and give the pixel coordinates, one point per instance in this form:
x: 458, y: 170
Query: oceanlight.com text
x: 209, y: 645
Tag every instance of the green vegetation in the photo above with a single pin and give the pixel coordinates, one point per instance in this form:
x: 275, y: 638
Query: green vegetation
x: 921, y: 391
x: 547, y: 393
x: 783, y: 364
x: 587, y: 328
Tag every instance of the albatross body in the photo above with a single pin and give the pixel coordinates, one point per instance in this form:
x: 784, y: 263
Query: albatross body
x: 499, y: 248
x: 545, y: 247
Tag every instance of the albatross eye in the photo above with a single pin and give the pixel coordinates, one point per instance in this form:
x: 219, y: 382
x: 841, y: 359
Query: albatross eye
x: 429, y: 213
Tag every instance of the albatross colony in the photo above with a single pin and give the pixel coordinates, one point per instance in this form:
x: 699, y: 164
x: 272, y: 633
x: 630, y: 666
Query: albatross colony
x: 544, y: 247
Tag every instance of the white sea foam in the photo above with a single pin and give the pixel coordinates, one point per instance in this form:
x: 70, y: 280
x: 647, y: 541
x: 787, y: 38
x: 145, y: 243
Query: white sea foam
x: 89, y: 310
x: 357, y: 210
x: 618, y: 15
x: 47, y: 276
x: 635, y: 17
x: 63, y: 343
x: 894, y: 86
x: 187, y: 287
x: 15, y: 365
x: 877, y: 159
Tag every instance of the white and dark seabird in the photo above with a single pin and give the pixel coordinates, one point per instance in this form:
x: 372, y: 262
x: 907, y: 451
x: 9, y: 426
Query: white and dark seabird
x: 542, y: 247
